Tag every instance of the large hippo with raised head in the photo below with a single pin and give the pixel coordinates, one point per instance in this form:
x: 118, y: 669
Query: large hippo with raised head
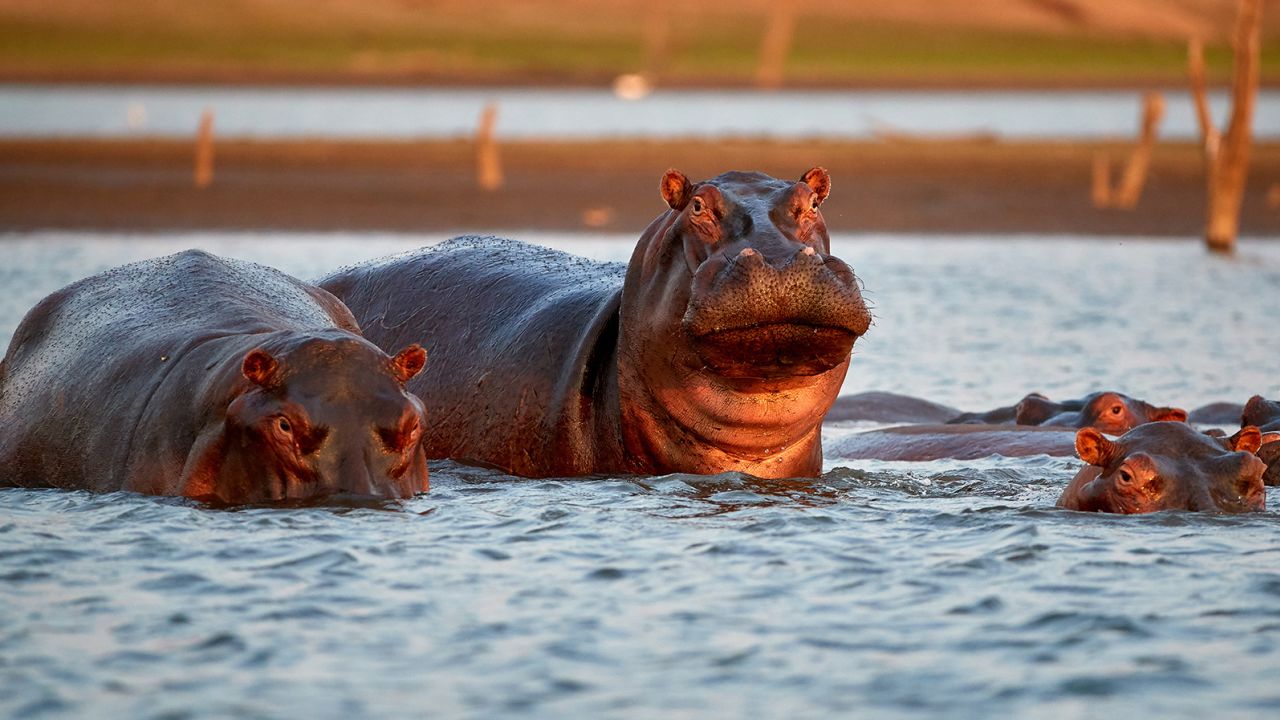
x: 719, y: 347
x: 1167, y: 466
x: 210, y: 378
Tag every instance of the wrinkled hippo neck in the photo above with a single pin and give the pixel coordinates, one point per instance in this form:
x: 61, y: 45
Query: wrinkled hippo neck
x: 698, y: 422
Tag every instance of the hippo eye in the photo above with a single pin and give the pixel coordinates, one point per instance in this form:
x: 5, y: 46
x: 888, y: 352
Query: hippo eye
x: 1125, y: 477
x: 697, y: 206
x: 284, y: 426
x: 1116, y: 409
x: 814, y: 202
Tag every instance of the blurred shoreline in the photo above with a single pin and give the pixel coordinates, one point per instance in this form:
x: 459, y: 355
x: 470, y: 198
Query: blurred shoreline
x: 906, y: 185
x: 163, y: 75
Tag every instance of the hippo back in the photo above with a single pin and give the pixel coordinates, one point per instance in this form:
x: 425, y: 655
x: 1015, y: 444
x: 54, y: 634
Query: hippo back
x: 521, y: 341
x: 86, y: 362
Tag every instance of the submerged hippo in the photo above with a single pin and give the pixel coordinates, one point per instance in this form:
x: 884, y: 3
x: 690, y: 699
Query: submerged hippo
x: 210, y: 378
x: 719, y: 347
x: 1167, y: 466
x: 1111, y: 412
x: 1265, y: 414
x: 887, y: 407
x: 927, y: 442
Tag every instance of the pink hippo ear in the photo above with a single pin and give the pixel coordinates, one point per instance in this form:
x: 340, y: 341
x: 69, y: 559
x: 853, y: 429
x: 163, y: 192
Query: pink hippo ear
x: 1248, y: 439
x: 1094, y: 448
x: 676, y: 189
x: 259, y: 367
x: 409, y: 362
x: 1168, y: 414
x: 819, y: 181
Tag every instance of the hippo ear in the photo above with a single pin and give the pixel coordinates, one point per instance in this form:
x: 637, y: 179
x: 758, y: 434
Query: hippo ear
x: 676, y: 189
x: 259, y: 367
x: 1094, y: 448
x: 1168, y: 414
x: 1248, y: 439
x: 409, y: 362
x: 819, y: 181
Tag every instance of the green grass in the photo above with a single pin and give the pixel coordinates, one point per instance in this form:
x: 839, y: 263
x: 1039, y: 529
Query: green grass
x: 826, y: 51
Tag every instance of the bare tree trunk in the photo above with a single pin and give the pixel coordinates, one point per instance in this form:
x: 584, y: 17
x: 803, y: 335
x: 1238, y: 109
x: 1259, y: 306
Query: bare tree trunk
x: 1135, y: 172
x: 776, y: 44
x: 204, y: 151
x: 1134, y: 177
x: 1100, y: 191
x: 488, y: 164
x: 1227, y: 155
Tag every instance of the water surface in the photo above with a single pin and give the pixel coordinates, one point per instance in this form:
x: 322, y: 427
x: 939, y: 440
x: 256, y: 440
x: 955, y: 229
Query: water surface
x: 363, y: 113
x: 877, y: 590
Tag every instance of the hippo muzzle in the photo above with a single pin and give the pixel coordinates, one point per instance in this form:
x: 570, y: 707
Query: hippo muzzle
x: 791, y: 316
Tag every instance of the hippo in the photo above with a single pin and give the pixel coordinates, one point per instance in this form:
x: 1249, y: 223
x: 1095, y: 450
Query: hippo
x: 1167, y: 466
x: 927, y: 442
x: 1033, y: 408
x: 1216, y: 413
x: 210, y: 378
x: 1111, y: 412
x: 718, y: 347
x: 887, y: 407
x: 1265, y: 414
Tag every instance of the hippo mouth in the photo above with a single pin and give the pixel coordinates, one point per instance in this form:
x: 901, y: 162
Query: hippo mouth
x: 775, y: 350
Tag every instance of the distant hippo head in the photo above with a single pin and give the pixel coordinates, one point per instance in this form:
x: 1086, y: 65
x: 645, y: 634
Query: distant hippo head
x: 1109, y: 412
x: 1263, y: 413
x: 743, y: 260
x: 317, y: 416
x: 1167, y: 466
x: 1266, y: 415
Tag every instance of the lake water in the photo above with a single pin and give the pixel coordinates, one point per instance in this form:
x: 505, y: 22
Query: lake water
x: 878, y: 590
x: 363, y: 113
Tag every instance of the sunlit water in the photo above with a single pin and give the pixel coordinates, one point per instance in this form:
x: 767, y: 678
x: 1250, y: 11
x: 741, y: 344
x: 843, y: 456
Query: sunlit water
x: 878, y: 590
x: 533, y: 113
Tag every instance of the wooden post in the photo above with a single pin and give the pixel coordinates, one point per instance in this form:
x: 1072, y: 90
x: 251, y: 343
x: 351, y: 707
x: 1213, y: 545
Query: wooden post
x: 1101, y: 188
x: 776, y: 44
x: 204, y: 151
x: 657, y: 38
x: 488, y: 164
x: 1227, y: 154
x: 1135, y: 172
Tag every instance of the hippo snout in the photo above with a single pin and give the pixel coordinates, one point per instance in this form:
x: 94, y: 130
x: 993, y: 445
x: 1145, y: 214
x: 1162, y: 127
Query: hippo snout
x: 798, y: 315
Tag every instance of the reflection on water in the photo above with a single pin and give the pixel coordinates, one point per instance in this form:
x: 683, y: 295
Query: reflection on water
x: 880, y: 589
x: 141, y: 111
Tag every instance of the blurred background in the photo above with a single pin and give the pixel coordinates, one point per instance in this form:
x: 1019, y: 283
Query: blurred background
x: 446, y: 115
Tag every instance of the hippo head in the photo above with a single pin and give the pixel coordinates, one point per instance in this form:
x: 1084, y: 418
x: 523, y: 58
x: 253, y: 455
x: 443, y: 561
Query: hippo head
x: 743, y: 262
x: 317, y: 416
x: 736, y: 321
x: 1167, y: 466
x: 1110, y: 412
x: 1263, y: 413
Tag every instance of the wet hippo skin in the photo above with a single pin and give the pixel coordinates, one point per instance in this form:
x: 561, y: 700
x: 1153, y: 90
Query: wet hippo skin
x: 957, y: 442
x: 1167, y: 466
x: 720, y: 346
x: 1110, y: 412
x: 210, y: 378
x: 1265, y: 414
